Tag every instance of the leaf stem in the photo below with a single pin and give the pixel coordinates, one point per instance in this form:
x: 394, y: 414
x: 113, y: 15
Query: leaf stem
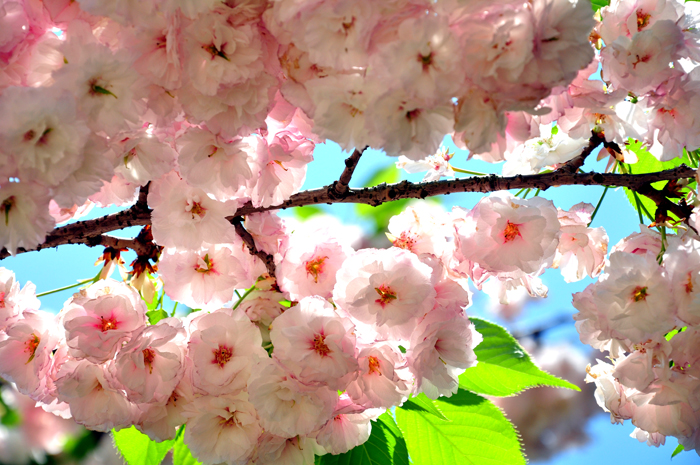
x: 605, y: 191
x: 243, y: 297
x: 65, y: 288
x: 460, y: 170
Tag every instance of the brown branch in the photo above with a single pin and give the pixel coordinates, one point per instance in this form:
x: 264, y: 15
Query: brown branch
x: 266, y: 258
x: 88, y: 232
x: 340, y: 188
x: 382, y: 193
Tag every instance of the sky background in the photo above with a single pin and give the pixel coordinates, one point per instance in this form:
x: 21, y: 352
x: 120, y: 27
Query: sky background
x: 54, y: 268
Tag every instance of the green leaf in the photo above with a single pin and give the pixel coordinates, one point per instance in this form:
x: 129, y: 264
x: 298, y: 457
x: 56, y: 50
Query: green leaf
x: 307, y: 211
x: 677, y: 450
x: 154, y: 316
x: 479, y: 433
x: 423, y: 403
x: 598, y: 4
x: 182, y: 454
x: 78, y: 447
x: 647, y: 163
x: 139, y: 449
x: 385, y: 446
x: 503, y: 367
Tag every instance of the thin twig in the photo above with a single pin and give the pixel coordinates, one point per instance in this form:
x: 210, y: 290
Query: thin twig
x: 266, y: 258
x: 340, y: 188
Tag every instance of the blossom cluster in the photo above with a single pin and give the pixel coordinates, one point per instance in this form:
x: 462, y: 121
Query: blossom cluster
x: 641, y: 84
x: 220, y: 103
x: 261, y: 380
x: 647, y: 316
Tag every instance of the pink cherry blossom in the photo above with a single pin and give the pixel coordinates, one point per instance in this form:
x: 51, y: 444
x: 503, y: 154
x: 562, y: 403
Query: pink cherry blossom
x: 14, y: 301
x: 224, y: 348
x: 222, y: 429
x: 315, y: 343
x: 151, y: 365
x: 309, y: 266
x: 185, y: 216
x: 25, y: 353
x: 390, y: 288
x: 286, y: 406
x: 24, y: 209
x: 100, y: 318
x: 94, y: 402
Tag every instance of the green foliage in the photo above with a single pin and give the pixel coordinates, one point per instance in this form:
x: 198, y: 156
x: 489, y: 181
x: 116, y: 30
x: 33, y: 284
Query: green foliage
x: 477, y: 434
x: 423, y: 403
x: 598, y: 4
x: 679, y: 448
x: 139, y: 449
x: 504, y: 368
x: 8, y: 416
x: 307, y: 211
x: 78, y: 447
x: 182, y: 454
x: 385, y: 446
x: 647, y: 163
x: 154, y: 316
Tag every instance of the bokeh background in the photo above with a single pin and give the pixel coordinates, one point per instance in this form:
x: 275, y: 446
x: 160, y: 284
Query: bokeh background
x: 557, y: 426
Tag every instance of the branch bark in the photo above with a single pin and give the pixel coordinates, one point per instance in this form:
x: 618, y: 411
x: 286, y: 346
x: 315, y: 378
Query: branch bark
x: 340, y: 188
x: 266, y: 258
x: 92, y: 232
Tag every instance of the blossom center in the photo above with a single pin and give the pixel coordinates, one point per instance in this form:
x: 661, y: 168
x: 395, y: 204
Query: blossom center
x: 315, y: 267
x: 511, y: 231
x: 642, y: 19
x: 215, y: 52
x: 386, y: 295
x: 6, y: 206
x: 413, y: 114
x: 148, y: 356
x: 319, y: 345
x: 688, y: 286
x: 222, y: 355
x: 205, y: 265
x: 640, y: 293
x: 2, y: 300
x: 425, y: 60
x: 373, y: 363
x: 196, y: 209
x: 404, y: 241
x: 31, y: 345
x: 108, y: 324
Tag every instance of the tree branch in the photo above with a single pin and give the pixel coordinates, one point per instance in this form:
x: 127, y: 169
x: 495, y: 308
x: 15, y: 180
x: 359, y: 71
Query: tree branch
x: 266, y: 258
x: 88, y: 232
x: 339, y: 189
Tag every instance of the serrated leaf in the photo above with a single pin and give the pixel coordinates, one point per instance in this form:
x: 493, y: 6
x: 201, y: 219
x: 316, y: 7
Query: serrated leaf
x: 423, y: 403
x: 647, y: 163
x: 479, y: 433
x: 154, y: 316
x: 139, y: 449
x: 182, y: 454
x: 677, y: 450
x: 385, y: 446
x: 503, y: 367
